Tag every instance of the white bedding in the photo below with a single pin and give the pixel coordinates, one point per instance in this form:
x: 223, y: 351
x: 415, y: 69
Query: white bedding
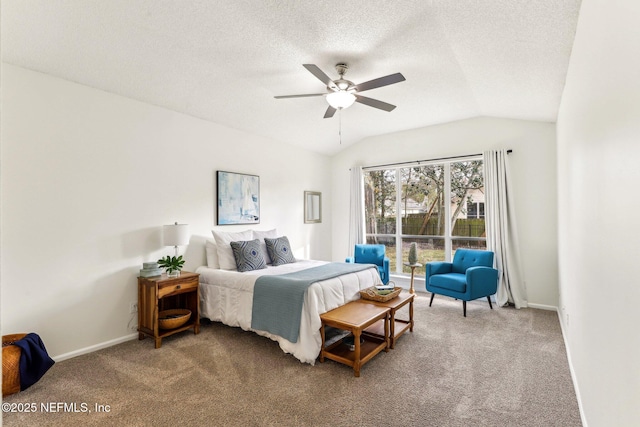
x: 227, y: 297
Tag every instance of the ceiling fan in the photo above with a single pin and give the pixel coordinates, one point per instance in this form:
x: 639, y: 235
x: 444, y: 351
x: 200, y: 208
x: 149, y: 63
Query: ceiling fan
x: 342, y: 93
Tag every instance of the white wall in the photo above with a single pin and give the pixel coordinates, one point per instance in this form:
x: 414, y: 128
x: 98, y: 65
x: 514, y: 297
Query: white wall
x: 598, y: 170
x: 533, y: 163
x: 88, y: 180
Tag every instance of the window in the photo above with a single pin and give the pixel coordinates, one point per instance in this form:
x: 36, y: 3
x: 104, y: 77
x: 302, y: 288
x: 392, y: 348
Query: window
x: 475, y: 210
x: 437, y: 205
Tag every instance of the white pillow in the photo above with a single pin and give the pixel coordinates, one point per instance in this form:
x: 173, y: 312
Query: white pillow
x: 225, y: 253
x: 260, y: 235
x: 212, y: 253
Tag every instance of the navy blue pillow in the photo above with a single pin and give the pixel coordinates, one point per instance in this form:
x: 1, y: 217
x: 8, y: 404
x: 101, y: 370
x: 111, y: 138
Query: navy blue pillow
x: 248, y: 255
x: 279, y: 250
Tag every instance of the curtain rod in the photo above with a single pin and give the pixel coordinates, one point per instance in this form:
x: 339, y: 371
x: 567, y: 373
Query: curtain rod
x: 427, y: 160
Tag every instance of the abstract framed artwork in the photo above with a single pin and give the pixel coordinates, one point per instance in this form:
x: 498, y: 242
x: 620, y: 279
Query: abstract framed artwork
x: 238, y: 198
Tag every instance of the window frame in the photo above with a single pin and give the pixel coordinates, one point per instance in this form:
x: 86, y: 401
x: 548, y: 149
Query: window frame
x: 399, y: 236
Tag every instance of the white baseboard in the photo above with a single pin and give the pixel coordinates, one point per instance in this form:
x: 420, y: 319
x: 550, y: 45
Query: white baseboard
x: 404, y: 282
x: 93, y: 348
x: 543, y: 307
x: 571, y: 370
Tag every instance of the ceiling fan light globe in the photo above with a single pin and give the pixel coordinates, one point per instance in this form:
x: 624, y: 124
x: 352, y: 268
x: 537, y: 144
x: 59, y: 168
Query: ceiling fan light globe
x: 341, y: 99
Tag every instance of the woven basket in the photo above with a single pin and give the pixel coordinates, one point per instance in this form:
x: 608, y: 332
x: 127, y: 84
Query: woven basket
x: 171, y: 319
x: 11, y: 364
x: 373, y: 295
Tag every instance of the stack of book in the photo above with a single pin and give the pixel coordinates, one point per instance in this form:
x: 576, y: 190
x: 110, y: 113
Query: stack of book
x: 150, y: 269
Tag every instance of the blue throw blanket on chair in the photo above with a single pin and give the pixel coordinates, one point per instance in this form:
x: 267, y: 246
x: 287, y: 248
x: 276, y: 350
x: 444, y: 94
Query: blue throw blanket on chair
x: 34, y: 360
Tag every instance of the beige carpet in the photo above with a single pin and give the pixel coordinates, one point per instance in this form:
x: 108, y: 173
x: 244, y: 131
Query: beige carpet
x: 501, y: 367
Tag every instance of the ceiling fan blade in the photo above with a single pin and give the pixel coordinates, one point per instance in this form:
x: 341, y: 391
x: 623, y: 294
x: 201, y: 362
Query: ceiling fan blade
x: 379, y: 82
x: 299, y: 96
x: 320, y: 75
x: 330, y: 112
x: 374, y: 103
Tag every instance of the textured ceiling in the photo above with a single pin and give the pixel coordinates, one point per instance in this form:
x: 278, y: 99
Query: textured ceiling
x: 224, y: 61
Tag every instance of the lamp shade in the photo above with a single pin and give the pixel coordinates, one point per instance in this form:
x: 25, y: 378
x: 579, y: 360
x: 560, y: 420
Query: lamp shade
x: 175, y: 234
x: 341, y: 99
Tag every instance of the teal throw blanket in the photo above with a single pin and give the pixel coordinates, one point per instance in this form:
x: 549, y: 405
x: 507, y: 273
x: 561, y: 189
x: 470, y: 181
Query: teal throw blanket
x: 277, y: 300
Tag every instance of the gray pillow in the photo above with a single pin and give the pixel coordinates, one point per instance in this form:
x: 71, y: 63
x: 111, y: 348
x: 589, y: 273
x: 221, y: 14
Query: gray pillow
x: 279, y: 250
x: 248, y: 255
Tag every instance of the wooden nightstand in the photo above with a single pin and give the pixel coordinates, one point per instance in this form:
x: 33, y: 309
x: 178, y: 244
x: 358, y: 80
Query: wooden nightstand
x: 164, y: 293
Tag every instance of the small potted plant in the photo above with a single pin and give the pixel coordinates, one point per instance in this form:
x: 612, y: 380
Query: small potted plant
x: 413, y: 255
x: 172, y: 265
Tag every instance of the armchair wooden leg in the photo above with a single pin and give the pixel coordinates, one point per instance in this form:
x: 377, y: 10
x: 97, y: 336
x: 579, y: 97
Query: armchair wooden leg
x: 431, y: 300
x: 464, y: 308
x: 489, y: 299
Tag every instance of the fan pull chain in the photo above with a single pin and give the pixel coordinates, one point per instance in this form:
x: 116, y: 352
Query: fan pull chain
x: 340, y: 124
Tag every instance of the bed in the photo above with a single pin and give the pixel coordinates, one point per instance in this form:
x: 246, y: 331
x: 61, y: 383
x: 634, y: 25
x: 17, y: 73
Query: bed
x: 227, y: 295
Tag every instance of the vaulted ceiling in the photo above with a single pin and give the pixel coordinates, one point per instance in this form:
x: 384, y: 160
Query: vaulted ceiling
x: 224, y: 61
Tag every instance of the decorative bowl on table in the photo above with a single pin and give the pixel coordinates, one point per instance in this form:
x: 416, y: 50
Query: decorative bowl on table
x: 171, y: 319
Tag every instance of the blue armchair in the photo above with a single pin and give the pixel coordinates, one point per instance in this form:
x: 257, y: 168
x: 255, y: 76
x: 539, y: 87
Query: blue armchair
x: 470, y: 276
x: 372, y: 254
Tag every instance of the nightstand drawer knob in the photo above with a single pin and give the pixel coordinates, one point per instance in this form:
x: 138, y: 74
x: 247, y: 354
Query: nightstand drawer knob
x: 178, y: 287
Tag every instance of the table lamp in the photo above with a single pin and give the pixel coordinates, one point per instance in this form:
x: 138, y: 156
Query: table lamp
x: 175, y: 235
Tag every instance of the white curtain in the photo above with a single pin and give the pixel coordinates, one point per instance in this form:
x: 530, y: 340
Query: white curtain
x: 356, y: 209
x: 502, y: 237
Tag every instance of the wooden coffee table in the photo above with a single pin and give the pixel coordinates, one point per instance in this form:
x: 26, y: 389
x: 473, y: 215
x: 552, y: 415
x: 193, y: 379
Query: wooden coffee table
x: 397, y: 326
x: 355, y: 317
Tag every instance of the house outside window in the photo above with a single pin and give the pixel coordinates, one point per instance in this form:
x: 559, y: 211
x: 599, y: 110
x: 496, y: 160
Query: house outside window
x: 475, y: 209
x: 437, y: 205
